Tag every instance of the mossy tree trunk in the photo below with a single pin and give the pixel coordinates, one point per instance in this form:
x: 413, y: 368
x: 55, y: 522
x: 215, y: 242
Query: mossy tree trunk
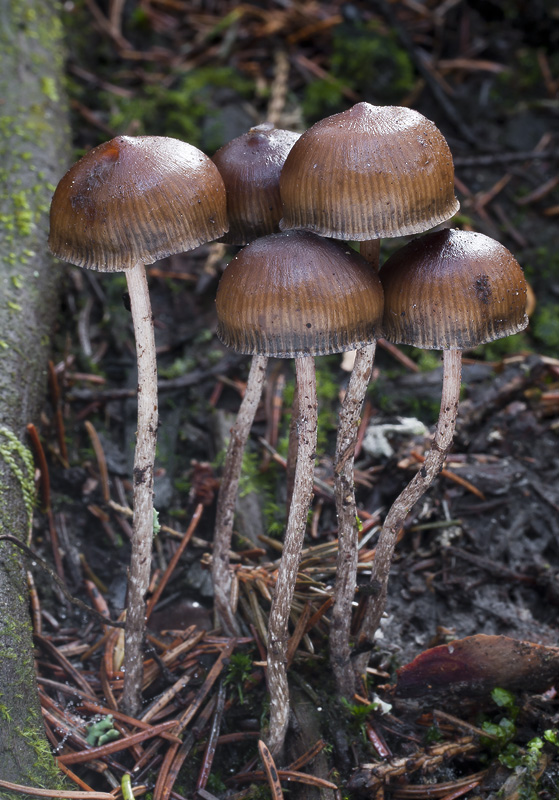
x: 34, y: 149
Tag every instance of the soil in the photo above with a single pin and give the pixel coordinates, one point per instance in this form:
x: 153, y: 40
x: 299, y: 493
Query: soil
x: 480, y: 556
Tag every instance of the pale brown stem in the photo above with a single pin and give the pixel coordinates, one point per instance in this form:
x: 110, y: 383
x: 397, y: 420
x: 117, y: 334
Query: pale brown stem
x: 348, y: 534
x: 434, y: 462
x: 227, y: 497
x: 370, y: 250
x: 291, y: 554
x: 291, y: 452
x: 144, y: 458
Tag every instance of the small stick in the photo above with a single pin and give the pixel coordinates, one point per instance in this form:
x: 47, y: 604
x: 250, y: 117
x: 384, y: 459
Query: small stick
x: 35, y: 604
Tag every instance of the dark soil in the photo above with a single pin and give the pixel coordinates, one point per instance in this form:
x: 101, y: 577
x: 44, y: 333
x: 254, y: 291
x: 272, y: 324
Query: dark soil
x: 487, y: 563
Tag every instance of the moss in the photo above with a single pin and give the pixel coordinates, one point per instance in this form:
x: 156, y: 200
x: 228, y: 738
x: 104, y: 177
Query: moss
x: 19, y: 461
x: 367, y: 59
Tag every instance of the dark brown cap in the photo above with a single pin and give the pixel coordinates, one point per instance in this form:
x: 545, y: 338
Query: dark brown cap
x: 368, y: 173
x: 295, y: 294
x: 452, y: 290
x: 250, y: 166
x: 135, y: 200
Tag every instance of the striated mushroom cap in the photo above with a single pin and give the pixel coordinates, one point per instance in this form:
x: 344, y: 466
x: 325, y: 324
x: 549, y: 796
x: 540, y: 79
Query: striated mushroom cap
x: 452, y: 290
x: 136, y: 199
x: 250, y: 166
x: 296, y: 294
x: 368, y: 173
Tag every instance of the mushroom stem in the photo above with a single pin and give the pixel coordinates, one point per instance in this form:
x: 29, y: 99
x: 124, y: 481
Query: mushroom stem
x: 144, y: 458
x: 348, y: 534
x: 370, y: 250
x: 434, y: 462
x: 291, y: 554
x: 221, y: 574
x: 348, y: 539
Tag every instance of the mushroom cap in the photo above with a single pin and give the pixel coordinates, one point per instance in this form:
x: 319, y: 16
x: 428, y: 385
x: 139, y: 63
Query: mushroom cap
x: 136, y: 199
x: 250, y: 166
x: 452, y: 290
x: 296, y: 294
x: 367, y: 173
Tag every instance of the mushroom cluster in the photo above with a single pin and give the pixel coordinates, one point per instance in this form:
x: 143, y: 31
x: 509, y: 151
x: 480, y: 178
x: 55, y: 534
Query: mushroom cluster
x: 367, y: 173
x: 296, y: 290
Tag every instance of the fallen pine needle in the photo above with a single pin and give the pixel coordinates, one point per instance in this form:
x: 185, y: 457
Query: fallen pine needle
x: 51, y: 793
x: 271, y: 771
x: 452, y: 476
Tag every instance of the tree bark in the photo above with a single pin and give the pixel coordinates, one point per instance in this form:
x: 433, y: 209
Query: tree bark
x: 34, y: 146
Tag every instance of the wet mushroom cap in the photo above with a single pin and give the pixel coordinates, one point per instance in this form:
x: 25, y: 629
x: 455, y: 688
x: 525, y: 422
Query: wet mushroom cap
x: 295, y: 294
x: 250, y: 166
x: 367, y: 173
x: 135, y: 200
x: 453, y: 290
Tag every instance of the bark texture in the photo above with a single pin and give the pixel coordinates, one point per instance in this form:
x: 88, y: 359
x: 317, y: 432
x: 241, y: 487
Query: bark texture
x: 34, y: 146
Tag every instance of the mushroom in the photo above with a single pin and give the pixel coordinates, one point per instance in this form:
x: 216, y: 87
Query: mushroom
x: 361, y: 175
x: 127, y: 203
x: 449, y: 290
x: 295, y: 295
x: 250, y: 166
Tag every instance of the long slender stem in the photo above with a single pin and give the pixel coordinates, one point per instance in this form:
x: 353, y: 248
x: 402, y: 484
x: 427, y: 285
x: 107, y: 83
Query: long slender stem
x: 227, y: 496
x: 144, y: 458
x: 291, y: 554
x: 348, y: 535
x: 433, y: 464
x: 348, y: 538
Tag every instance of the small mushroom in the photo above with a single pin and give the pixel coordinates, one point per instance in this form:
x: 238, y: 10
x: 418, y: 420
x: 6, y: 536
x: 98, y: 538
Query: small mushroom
x: 250, y: 166
x: 295, y: 295
x: 448, y: 291
x: 127, y: 203
x: 364, y: 174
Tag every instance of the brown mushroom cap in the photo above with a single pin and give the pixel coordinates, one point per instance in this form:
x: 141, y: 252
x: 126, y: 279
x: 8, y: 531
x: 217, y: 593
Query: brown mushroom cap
x: 135, y: 200
x: 295, y: 294
x: 452, y: 290
x: 250, y: 166
x: 368, y: 173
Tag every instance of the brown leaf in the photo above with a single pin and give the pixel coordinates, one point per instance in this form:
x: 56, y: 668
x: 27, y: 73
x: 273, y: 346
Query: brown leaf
x: 477, y: 664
